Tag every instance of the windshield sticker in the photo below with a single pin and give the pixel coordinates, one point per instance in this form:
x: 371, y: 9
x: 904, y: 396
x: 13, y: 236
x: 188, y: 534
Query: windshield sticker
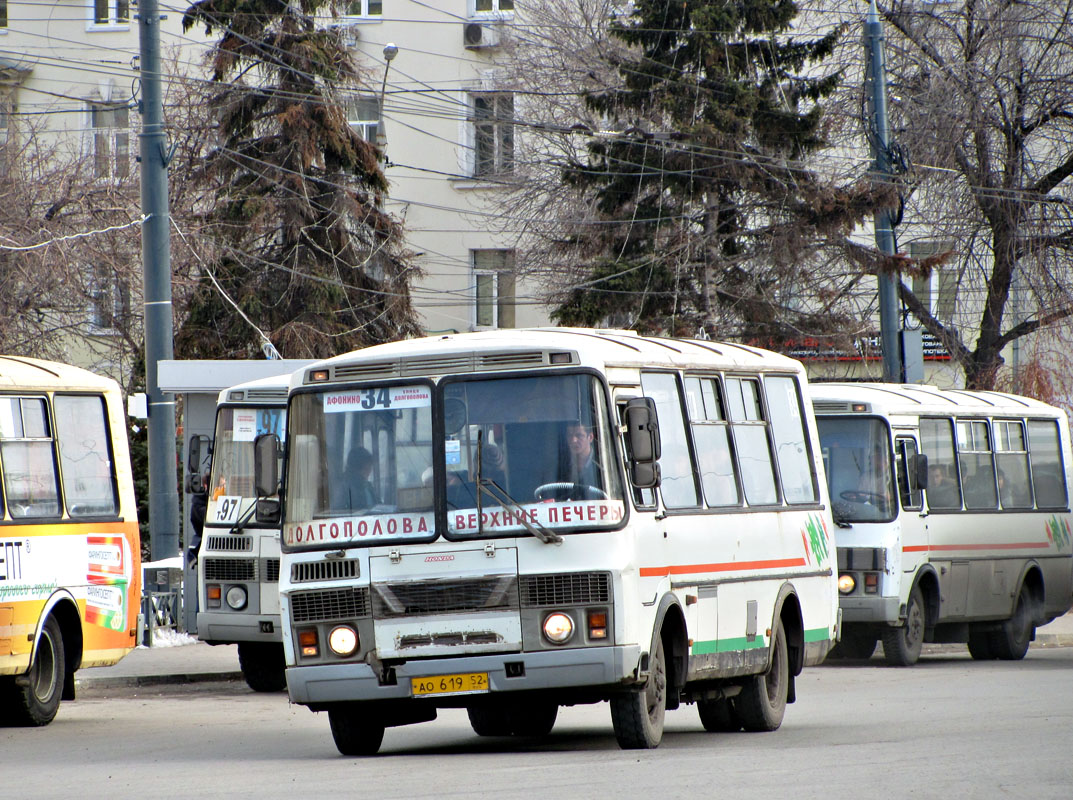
x: 378, y: 527
x: 453, y: 451
x: 378, y: 399
x: 245, y: 425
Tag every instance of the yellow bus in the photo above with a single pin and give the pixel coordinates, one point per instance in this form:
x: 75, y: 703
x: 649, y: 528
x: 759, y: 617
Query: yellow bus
x: 69, y: 544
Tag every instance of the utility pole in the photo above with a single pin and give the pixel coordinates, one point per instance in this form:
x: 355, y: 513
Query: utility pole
x: 156, y: 267
x: 889, y: 323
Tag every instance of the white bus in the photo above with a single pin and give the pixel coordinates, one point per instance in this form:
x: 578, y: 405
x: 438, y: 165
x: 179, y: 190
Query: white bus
x: 953, y: 517
x: 473, y: 521
x: 238, y: 563
x: 70, y: 552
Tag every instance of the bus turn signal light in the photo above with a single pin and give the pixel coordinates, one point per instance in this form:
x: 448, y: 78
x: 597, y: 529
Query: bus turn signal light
x: 307, y: 640
x: 597, y: 624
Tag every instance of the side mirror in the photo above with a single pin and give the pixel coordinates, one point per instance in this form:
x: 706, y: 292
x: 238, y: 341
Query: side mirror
x: 642, y: 429
x: 268, y: 510
x: 918, y: 471
x: 642, y: 434
x: 193, y: 458
x: 265, y: 465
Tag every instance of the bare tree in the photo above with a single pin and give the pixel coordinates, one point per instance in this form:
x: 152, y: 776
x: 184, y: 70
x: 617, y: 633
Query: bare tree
x: 982, y: 96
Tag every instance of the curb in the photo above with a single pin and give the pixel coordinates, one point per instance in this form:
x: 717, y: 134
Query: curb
x: 137, y: 681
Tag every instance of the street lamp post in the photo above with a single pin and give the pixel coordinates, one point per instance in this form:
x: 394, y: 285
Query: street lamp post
x: 390, y: 51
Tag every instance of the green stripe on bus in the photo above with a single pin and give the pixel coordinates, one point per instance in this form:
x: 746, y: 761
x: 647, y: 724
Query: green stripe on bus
x: 742, y: 643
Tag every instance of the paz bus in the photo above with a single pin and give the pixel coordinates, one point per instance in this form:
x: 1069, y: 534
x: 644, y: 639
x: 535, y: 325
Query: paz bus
x: 238, y: 561
x: 513, y: 521
x: 70, y: 552
x: 953, y: 517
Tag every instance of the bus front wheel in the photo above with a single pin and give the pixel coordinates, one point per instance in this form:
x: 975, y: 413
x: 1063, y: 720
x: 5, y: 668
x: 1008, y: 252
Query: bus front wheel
x: 902, y: 645
x: 355, y: 733
x: 33, y: 699
x: 762, y: 702
x: 263, y: 666
x: 638, y: 716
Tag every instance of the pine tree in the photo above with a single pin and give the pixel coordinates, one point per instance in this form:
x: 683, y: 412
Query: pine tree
x: 704, y: 217
x: 295, y: 234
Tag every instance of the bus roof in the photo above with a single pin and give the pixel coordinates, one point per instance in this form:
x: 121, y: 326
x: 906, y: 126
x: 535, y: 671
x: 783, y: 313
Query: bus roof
x: 263, y: 391
x: 531, y: 348
x: 36, y: 373
x: 916, y: 399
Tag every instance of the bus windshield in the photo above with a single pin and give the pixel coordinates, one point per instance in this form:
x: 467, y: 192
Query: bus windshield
x: 857, y: 459
x: 518, y: 453
x: 540, y: 445
x: 231, y: 491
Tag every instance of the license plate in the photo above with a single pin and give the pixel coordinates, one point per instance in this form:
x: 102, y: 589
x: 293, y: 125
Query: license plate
x: 464, y: 683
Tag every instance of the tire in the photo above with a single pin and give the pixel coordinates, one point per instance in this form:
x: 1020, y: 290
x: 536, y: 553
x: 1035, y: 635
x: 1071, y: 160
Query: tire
x: 35, y: 702
x: 762, y: 702
x: 1010, y: 642
x: 718, y: 716
x: 638, y: 716
x: 355, y: 734
x: 535, y: 719
x: 981, y: 645
x: 263, y: 666
x: 902, y: 645
x: 855, y: 646
x: 488, y: 719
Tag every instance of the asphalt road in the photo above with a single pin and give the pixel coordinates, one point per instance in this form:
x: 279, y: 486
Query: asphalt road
x: 947, y: 728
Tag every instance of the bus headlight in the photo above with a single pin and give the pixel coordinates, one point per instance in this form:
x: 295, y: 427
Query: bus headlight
x: 558, y: 627
x: 236, y: 597
x: 343, y: 640
x: 846, y: 583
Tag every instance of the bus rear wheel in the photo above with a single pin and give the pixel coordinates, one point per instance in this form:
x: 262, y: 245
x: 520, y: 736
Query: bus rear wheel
x: 32, y: 700
x: 902, y: 645
x: 638, y: 716
x: 263, y: 666
x: 355, y: 733
x: 762, y: 702
x: 1010, y: 642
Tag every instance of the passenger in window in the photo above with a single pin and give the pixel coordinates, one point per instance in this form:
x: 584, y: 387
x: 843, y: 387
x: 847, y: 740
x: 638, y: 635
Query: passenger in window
x: 493, y: 464
x: 361, y: 493
x: 942, y: 490
x: 1012, y: 496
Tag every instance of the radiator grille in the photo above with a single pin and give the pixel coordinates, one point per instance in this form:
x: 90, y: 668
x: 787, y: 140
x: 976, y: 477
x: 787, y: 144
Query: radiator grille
x: 308, y: 571
x: 581, y: 588
x: 272, y: 570
x: 441, y: 597
x: 230, y: 569
x: 230, y: 544
x: 330, y: 604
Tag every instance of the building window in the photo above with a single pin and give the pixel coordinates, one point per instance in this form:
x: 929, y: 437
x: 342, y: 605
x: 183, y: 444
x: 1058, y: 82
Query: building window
x: 492, y: 118
x: 109, y: 299
x: 937, y: 292
x: 363, y: 115
x: 3, y: 14
x: 110, y: 140
x: 493, y: 278
x: 111, y: 12
x: 365, y: 8
x: 492, y: 6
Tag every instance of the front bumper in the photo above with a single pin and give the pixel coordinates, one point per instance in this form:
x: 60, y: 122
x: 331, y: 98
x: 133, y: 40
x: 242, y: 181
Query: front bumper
x: 222, y: 627
x: 554, y: 669
x: 869, y: 609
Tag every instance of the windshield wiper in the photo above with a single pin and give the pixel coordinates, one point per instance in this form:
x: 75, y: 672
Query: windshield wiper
x: 485, y: 487
x: 244, y: 518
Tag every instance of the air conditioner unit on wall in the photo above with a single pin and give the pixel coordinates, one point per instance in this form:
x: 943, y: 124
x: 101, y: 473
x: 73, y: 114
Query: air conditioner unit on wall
x: 476, y: 35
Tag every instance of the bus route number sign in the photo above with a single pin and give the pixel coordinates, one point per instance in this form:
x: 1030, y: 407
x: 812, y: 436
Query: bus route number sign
x: 227, y: 508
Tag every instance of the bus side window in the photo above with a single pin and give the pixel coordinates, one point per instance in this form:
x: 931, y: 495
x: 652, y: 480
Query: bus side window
x: 906, y: 451
x: 678, y: 485
x: 26, y: 448
x: 1048, y: 475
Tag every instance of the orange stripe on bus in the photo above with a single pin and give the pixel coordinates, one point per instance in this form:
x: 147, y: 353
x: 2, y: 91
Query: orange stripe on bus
x: 726, y: 566
x: 923, y: 548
